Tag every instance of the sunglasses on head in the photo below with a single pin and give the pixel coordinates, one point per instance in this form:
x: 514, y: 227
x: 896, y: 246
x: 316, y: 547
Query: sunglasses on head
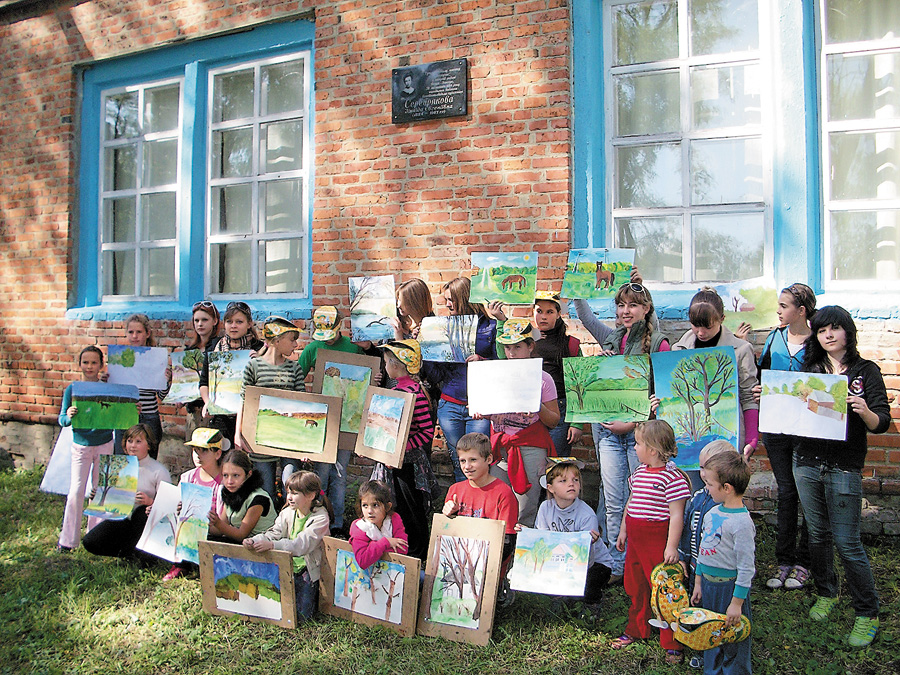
x: 203, y: 304
x: 637, y: 288
x: 240, y: 306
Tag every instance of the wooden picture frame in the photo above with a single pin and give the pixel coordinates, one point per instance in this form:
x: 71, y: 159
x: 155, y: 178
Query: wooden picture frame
x: 385, y: 433
x: 484, y: 533
x: 352, y: 401
x: 275, y: 565
x: 333, y: 571
x: 312, y: 421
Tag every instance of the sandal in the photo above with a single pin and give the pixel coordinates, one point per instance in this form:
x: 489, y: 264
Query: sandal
x: 622, y: 641
x: 674, y: 657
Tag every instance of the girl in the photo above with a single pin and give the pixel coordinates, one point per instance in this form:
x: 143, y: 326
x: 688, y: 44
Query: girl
x: 784, y: 350
x: 413, y: 305
x: 654, y: 516
x: 119, y: 537
x: 829, y: 473
x: 379, y: 529
x: 205, y: 322
x: 300, y: 528
x: 414, y: 483
x: 87, y: 446
x: 245, y: 508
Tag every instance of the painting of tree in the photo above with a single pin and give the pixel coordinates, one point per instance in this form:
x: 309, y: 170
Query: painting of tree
x: 607, y: 388
x: 547, y: 561
x: 448, y: 338
x: 459, y: 596
x: 372, y: 306
x: 116, y: 486
x: 702, y: 380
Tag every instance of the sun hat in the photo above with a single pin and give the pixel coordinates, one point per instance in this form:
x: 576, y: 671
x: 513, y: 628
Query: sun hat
x: 212, y: 439
x: 274, y: 326
x: 408, y: 352
x: 514, y: 331
x: 556, y: 461
x: 326, y: 319
x: 702, y: 629
x: 549, y: 296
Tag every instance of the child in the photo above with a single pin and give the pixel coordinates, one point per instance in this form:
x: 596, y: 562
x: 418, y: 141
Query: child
x: 654, y: 516
x: 414, y: 483
x: 246, y: 509
x: 300, y: 528
x: 413, y: 305
x: 205, y: 322
x: 725, y: 564
x: 379, y: 529
x: 87, y: 446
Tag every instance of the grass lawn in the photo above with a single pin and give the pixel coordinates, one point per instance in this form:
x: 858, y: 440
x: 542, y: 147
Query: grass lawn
x: 82, y: 614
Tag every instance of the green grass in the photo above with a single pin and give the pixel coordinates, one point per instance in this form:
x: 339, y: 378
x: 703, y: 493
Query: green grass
x: 82, y: 614
x: 278, y: 431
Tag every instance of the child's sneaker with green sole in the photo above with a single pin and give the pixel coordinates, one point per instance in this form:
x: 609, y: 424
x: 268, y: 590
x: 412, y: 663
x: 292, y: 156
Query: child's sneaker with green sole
x: 864, y: 630
x: 822, y: 609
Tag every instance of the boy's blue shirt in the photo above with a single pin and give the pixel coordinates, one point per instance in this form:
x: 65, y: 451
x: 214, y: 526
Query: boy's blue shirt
x: 694, y: 510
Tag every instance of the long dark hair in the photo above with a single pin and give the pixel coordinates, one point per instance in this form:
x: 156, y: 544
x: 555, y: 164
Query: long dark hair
x: 816, y: 359
x: 241, y: 459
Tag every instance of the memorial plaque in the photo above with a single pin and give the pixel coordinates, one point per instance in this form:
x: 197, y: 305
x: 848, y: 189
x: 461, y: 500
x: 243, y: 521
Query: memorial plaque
x: 430, y: 91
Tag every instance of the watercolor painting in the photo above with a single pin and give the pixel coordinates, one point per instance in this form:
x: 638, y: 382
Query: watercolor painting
x: 448, y: 338
x: 174, y: 535
x: 58, y: 473
x: 373, y: 304
x: 550, y: 562
x: 376, y: 591
x: 596, y: 273
x: 186, y: 369
x: 504, y: 386
x: 754, y: 301
x: 116, y: 487
x: 226, y: 375
x: 290, y: 424
x: 383, y: 423
x: 144, y: 367
x: 607, y: 388
x: 457, y: 597
x: 813, y: 405
x: 510, y: 278
x: 104, y: 406
x: 350, y: 383
x: 698, y: 393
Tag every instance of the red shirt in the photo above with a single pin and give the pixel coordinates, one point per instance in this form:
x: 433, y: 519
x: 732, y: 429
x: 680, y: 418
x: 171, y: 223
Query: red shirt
x: 652, y: 489
x: 495, y: 501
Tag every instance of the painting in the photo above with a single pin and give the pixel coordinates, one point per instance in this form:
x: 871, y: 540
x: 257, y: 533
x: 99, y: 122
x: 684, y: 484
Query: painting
x: 607, y: 388
x: 754, y: 301
x: 551, y: 562
x: 386, y: 419
x: 462, y: 576
x: 104, y: 406
x: 292, y: 424
x: 116, y: 487
x: 504, y: 386
x: 144, y: 367
x: 58, y: 473
x: 174, y: 534
x: 186, y: 369
x: 348, y: 377
x: 226, y: 375
x: 448, y: 338
x: 510, y: 278
x: 698, y: 393
x: 385, y: 594
x: 258, y: 587
x: 596, y: 273
x: 813, y: 405
x: 373, y: 304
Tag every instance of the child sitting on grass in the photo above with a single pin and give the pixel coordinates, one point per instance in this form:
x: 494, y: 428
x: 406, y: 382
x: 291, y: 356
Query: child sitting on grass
x: 246, y: 509
x: 379, y: 529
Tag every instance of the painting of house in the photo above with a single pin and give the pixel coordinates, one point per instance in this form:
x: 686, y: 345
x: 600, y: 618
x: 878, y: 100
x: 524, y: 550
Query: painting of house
x: 822, y: 403
x: 550, y: 562
x: 811, y: 405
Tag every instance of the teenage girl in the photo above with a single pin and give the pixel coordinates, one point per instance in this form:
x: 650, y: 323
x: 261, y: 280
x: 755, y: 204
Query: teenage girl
x: 300, y: 528
x: 246, y: 509
x: 205, y: 322
x: 379, y: 529
x: 413, y: 305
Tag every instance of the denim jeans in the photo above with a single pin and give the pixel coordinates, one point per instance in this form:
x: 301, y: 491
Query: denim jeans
x: 334, y: 484
x: 618, y: 461
x: 780, y: 449
x: 535, y: 462
x: 560, y: 433
x: 832, y: 501
x: 266, y: 471
x: 306, y: 593
x: 455, y: 423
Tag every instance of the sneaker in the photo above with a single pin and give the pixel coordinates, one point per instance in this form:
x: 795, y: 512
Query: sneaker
x: 174, y: 573
x: 674, y: 657
x: 506, y: 596
x: 784, y: 571
x: 696, y: 662
x: 797, y: 578
x: 822, y: 609
x: 864, y: 629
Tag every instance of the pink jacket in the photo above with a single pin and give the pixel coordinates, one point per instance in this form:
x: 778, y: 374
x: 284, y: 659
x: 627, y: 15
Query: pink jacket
x: 366, y: 551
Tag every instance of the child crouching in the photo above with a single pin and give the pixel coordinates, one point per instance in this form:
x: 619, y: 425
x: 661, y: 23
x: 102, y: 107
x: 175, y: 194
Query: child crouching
x: 379, y: 529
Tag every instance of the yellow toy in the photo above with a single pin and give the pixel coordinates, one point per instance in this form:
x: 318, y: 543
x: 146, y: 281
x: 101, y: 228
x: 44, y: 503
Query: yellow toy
x: 701, y: 629
x: 668, y: 595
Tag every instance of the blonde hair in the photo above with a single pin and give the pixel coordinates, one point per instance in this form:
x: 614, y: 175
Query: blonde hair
x: 626, y: 293
x: 659, y: 437
x: 144, y: 320
x: 560, y: 469
x: 713, y: 448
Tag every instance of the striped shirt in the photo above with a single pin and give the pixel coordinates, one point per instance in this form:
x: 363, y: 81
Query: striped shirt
x: 150, y: 399
x: 653, y: 489
x: 421, y: 430
x: 260, y: 373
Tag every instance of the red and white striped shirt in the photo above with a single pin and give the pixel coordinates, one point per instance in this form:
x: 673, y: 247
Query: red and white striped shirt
x: 653, y: 489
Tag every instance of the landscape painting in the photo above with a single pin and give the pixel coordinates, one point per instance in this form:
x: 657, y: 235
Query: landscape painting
x: 175, y: 534
x: 385, y: 426
x: 698, y: 393
x: 607, y: 388
x: 186, y: 369
x: 104, y: 406
x: 116, y: 487
x: 551, y: 562
x: 813, y: 405
x: 226, y: 375
x: 754, y: 301
x: 448, y: 339
x: 373, y: 304
x: 596, y: 273
x: 144, y: 367
x: 504, y: 386
x: 510, y: 278
x: 346, y: 376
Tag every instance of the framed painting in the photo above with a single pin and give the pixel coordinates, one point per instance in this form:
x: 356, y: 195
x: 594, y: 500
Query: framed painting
x: 386, y: 418
x: 448, y: 339
x: 510, y: 278
x: 551, y: 562
x: 292, y: 424
x: 259, y: 587
x: 373, y: 304
x: 386, y: 594
x: 462, y: 576
x: 116, y: 488
x: 596, y: 273
x: 812, y: 405
x: 347, y: 376
x: 144, y: 367
x: 104, y: 406
x: 607, y: 388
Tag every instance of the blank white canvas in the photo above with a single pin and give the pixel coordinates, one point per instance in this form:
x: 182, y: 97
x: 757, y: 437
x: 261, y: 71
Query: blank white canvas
x: 58, y: 474
x: 504, y: 386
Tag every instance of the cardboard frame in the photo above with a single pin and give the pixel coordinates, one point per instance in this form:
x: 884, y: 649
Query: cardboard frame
x: 283, y: 559
x: 394, y: 459
x: 332, y: 423
x: 346, y: 439
x: 491, y: 531
x: 410, y: 590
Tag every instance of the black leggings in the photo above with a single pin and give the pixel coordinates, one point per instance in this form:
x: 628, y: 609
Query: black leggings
x: 117, y: 538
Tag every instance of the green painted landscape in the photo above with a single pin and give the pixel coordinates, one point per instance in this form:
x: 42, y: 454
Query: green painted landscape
x: 596, y: 273
x: 607, y: 388
x: 754, y: 303
x: 350, y: 383
x: 104, y: 406
x: 291, y: 425
x: 510, y: 278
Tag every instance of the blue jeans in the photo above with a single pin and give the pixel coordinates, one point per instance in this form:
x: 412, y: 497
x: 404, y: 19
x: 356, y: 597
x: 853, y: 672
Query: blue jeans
x: 780, y: 449
x: 455, y: 423
x: 832, y: 500
x: 732, y: 658
x: 618, y: 461
x: 306, y: 593
x: 560, y: 433
x: 334, y: 484
x: 266, y: 471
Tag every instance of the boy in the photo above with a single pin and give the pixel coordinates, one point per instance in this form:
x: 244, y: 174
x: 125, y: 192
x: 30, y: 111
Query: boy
x: 725, y: 562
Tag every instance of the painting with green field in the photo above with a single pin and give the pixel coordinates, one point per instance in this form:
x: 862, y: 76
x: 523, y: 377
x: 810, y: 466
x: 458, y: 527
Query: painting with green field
x: 510, y: 278
x: 104, y: 406
x: 596, y: 273
x: 607, y: 388
x: 116, y: 487
x: 550, y: 562
x: 291, y: 425
x: 346, y: 376
x: 754, y: 301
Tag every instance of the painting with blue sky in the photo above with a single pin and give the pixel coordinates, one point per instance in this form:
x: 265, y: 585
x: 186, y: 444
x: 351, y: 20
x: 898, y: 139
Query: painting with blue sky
x: 144, y: 367
x: 510, y: 278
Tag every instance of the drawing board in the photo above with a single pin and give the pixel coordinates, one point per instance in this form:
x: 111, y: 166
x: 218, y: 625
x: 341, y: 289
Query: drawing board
x: 386, y: 419
x: 347, y: 376
x: 607, y: 388
x: 596, y: 273
x: 144, y: 367
x: 504, y: 386
x: 510, y: 278
x: 812, y: 405
x: 555, y: 563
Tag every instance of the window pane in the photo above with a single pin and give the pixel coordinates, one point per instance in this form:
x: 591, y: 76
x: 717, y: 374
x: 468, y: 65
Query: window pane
x: 161, y: 109
x: 649, y: 175
x: 118, y: 272
x: 283, y: 201
x: 229, y: 267
x: 864, y: 165
x: 865, y: 245
x: 121, y: 168
x: 233, y: 96
x: 160, y: 163
x: 159, y: 216
x: 159, y: 271
x: 231, y: 208
x: 858, y: 20
x: 864, y: 87
x: 280, y: 266
x: 232, y: 153
x: 726, y: 171
x: 728, y: 246
x: 645, y: 31
x: 657, y: 243
x: 122, y: 116
x: 283, y: 87
x: 725, y: 97
x: 647, y: 104
x: 118, y: 220
x: 724, y: 26
x: 281, y: 146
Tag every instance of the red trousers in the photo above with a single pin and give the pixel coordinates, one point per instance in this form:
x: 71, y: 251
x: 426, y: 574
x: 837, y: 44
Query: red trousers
x: 646, y: 548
